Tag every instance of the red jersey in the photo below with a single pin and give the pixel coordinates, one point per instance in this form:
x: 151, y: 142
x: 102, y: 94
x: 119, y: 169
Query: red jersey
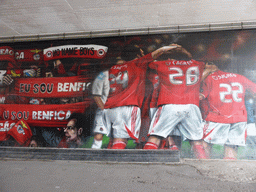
x: 179, y: 81
x: 127, y: 83
x: 225, y: 93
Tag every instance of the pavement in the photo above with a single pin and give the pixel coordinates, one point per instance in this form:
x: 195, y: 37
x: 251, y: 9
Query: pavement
x: 186, y: 175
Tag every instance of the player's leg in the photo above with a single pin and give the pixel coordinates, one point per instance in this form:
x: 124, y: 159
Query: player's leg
x: 99, y: 129
x: 174, y: 143
x: 169, y: 143
x: 162, y: 124
x: 143, y: 136
x: 230, y: 152
x: 97, y: 141
x: 236, y: 137
x: 119, y: 143
x: 126, y: 125
x: 164, y: 143
x: 207, y: 149
x: 192, y: 128
x: 102, y: 126
x: 98, y: 124
x: 198, y: 149
x: 174, y: 139
x: 153, y: 142
x: 215, y: 133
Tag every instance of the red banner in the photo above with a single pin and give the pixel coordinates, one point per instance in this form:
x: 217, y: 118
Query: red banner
x: 75, y: 51
x: 5, y: 126
x: 21, y: 132
x: 42, y: 115
x: 29, y: 55
x: 50, y: 87
x: 7, y: 53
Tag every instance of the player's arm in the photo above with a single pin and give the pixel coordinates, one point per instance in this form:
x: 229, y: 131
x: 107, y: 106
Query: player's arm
x: 183, y: 51
x: 209, y: 69
x: 204, y: 94
x: 142, y: 60
x: 205, y: 90
x: 201, y: 96
x: 163, y: 50
x: 99, y: 102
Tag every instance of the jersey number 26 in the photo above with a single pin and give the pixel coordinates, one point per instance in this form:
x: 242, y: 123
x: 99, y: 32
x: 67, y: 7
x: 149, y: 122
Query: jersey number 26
x: 192, y: 75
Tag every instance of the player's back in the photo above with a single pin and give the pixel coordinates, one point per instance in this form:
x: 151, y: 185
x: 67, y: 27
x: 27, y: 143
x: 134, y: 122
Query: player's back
x: 179, y: 81
x: 225, y: 93
x: 127, y: 83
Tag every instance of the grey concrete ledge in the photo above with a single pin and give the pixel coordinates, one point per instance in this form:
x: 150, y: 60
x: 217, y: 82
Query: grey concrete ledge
x: 104, y: 155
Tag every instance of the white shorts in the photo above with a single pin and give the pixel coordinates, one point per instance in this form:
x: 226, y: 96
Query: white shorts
x: 98, y: 126
x: 187, y: 117
x: 175, y: 131
x: 222, y: 133
x: 125, y: 121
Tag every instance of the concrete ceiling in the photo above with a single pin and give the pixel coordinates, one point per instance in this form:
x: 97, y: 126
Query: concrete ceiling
x: 19, y: 18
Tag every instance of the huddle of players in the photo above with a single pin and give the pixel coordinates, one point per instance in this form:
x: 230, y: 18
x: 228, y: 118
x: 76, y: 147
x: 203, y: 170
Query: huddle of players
x: 119, y: 93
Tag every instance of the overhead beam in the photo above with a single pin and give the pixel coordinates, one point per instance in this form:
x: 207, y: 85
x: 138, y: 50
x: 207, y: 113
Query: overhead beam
x: 134, y: 31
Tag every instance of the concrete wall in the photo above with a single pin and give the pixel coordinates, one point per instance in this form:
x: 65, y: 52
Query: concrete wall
x: 28, y: 17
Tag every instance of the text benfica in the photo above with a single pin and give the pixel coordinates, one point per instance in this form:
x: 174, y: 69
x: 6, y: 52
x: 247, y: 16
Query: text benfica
x: 38, y: 115
x: 62, y: 87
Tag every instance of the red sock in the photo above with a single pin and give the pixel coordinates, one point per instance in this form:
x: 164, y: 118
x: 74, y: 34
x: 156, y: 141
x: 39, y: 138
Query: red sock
x: 119, y: 145
x: 199, y: 152
x: 150, y: 145
x: 173, y: 148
